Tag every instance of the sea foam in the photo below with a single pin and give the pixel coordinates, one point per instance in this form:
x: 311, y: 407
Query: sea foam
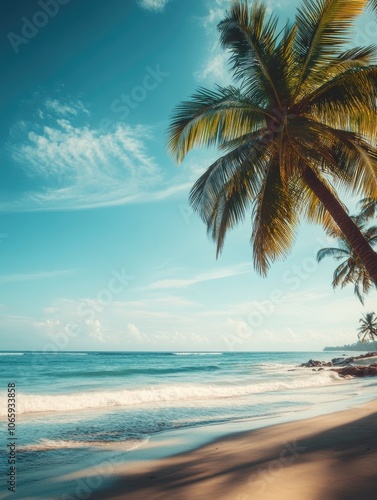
x: 56, y: 444
x: 31, y: 403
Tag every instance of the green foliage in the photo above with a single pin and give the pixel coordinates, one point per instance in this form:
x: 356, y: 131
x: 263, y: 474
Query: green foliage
x: 359, y: 346
x: 351, y: 270
x: 368, y: 329
x: 304, y: 100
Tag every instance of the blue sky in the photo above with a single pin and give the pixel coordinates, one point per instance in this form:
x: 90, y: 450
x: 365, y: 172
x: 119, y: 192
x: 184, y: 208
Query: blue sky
x: 99, y: 248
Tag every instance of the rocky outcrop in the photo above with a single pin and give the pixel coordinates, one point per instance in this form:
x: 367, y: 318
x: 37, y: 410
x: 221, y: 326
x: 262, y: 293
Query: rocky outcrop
x: 315, y: 364
x: 343, y: 361
x: 357, y: 371
x: 367, y: 355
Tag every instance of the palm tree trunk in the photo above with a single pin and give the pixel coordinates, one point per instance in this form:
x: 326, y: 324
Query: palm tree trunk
x: 353, y: 234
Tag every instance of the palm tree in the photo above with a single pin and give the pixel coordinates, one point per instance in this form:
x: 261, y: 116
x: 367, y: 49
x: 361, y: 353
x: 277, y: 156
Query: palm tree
x: 368, y: 328
x: 351, y: 270
x: 368, y: 207
x: 302, y: 115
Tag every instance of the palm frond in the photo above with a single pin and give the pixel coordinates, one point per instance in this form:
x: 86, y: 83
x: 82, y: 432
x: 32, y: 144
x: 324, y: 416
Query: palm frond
x: 223, y: 193
x: 323, y: 28
x: 340, y: 274
x: 212, y: 117
x: 356, y: 57
x: 284, y: 64
x: 251, y: 36
x: 371, y: 236
x: 337, y: 253
x: 342, y: 154
x: 275, y: 221
x: 352, y: 269
x: 373, y: 5
x: 368, y: 207
x: 358, y: 292
x: 314, y: 210
x: 347, y: 101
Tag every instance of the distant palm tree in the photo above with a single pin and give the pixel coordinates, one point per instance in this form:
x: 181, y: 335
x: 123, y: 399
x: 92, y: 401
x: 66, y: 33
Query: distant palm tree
x: 368, y: 207
x: 304, y: 114
x: 351, y: 270
x: 368, y: 328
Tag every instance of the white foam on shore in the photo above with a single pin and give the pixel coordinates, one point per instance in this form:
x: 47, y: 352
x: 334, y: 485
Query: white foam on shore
x: 11, y: 353
x: 52, y: 444
x: 197, y: 353
x: 32, y: 403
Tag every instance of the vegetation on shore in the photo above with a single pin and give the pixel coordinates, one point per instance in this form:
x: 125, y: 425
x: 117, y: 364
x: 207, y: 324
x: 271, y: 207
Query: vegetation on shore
x: 358, y: 346
x: 368, y: 328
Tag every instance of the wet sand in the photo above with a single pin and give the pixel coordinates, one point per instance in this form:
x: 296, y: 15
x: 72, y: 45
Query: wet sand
x: 330, y: 457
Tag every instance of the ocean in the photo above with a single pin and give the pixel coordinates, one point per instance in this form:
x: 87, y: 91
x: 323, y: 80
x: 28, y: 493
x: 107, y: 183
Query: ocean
x: 79, y: 410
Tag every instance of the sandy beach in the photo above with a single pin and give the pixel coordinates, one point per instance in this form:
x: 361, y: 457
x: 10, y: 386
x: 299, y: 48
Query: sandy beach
x: 188, y: 250
x: 331, y: 457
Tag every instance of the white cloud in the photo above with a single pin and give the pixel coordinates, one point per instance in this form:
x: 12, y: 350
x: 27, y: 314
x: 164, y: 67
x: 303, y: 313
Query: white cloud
x: 13, y: 278
x: 173, y: 301
x: 200, y: 278
x: 153, y: 5
x: 65, y: 331
x: 216, y: 13
x: 216, y: 69
x: 70, y: 324
x: 95, y: 330
x: 68, y: 108
x: 135, y: 333
x: 199, y: 340
x: 79, y: 167
x: 170, y: 322
x: 65, y: 150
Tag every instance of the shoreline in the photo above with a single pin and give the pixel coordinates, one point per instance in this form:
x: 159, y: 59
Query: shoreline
x: 99, y: 457
x: 331, y: 456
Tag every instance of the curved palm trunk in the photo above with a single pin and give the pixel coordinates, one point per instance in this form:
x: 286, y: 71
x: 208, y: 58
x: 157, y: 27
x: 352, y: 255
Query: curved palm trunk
x: 345, y: 223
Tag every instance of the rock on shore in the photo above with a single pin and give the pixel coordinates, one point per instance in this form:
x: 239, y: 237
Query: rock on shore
x: 357, y: 371
x: 364, y: 365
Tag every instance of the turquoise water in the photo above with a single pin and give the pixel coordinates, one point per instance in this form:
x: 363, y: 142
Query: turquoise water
x: 72, y: 407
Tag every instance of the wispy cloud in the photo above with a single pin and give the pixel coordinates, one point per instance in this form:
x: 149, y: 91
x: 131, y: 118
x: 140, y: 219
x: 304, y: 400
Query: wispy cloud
x: 200, y: 278
x: 80, y: 167
x: 67, y: 150
x: 66, y: 108
x: 13, y: 278
x: 215, y: 68
x: 153, y: 5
